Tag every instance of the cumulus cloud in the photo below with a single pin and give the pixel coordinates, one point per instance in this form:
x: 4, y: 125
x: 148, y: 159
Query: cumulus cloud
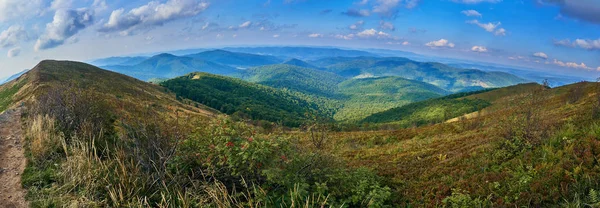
x: 500, y: 32
x: 383, y: 25
x: 315, y: 35
x: 490, y: 27
x: 13, y: 9
x: 405, y: 43
x: 580, y: 43
x: 479, y: 49
x: 572, y: 65
x: 368, y: 34
x: 61, y: 4
x: 356, y: 26
x: 440, y: 43
x: 12, y: 36
x: 65, y: 24
x: 357, y: 13
x: 345, y: 37
x: 386, y: 6
x: 471, y: 13
x: 245, y: 24
x: 476, y: 1
x: 372, y: 33
x: 587, y: 10
x: 14, y: 52
x: 152, y: 14
x: 541, y: 55
x: 276, y: 36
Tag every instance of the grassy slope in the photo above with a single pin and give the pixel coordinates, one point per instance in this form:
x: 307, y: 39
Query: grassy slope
x: 8, y: 91
x: 115, y: 88
x: 492, y: 157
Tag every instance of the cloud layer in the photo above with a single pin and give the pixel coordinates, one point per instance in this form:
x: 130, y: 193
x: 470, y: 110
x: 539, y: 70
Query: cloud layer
x: 152, y: 14
x: 65, y: 24
x: 440, y: 43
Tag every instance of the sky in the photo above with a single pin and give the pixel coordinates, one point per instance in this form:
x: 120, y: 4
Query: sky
x: 558, y: 36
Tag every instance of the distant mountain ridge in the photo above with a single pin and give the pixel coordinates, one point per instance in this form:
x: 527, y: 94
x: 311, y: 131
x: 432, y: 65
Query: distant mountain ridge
x: 170, y: 66
x: 235, y: 59
x: 123, y: 60
x: 441, y: 75
x: 304, y: 53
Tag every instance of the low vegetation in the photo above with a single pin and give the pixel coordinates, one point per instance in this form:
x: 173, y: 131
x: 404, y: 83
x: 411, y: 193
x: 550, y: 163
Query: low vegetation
x: 100, y: 139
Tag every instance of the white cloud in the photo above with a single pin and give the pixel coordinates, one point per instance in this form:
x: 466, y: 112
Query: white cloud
x: 480, y: 49
x: 386, y: 7
x: 475, y: 1
x: 370, y: 33
x: 405, y: 43
x: 389, y: 8
x: 363, y: 2
x: 13, y: 9
x: 471, y: 13
x: 12, y: 36
x: 345, y: 37
x: 571, y: 65
x: 65, y: 24
x: 500, y: 32
x: 276, y: 36
x: 99, y: 5
x: 245, y: 24
x: 14, y: 52
x: 386, y: 25
x: 440, y: 43
x: 357, y: 13
x: 541, y: 55
x: 598, y: 69
x: 490, y: 27
x: 356, y: 26
x: 580, y: 43
x: 61, y: 4
x: 152, y: 14
x: 315, y: 35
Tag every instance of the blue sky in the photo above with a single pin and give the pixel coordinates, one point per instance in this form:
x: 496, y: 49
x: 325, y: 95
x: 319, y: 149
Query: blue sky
x: 548, y: 35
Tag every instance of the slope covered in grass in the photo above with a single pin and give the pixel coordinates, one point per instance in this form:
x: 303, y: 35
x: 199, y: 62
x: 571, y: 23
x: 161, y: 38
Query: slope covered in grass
x: 96, y: 138
x: 534, y: 147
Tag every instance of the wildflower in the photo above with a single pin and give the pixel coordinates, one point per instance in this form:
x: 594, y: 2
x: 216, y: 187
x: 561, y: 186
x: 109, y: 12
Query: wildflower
x: 230, y: 144
x: 283, y: 157
x: 250, y: 139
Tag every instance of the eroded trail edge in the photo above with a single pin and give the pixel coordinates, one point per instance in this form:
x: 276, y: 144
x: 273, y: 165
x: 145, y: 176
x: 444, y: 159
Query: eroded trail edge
x: 12, y: 159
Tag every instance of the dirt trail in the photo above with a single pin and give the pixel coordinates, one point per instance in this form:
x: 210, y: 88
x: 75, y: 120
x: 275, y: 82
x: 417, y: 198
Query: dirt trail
x: 12, y: 160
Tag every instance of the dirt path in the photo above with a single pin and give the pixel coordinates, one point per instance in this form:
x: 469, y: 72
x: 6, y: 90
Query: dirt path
x: 12, y: 160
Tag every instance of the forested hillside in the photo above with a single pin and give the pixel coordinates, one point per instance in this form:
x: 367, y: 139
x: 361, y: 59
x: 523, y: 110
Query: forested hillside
x: 243, y: 99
